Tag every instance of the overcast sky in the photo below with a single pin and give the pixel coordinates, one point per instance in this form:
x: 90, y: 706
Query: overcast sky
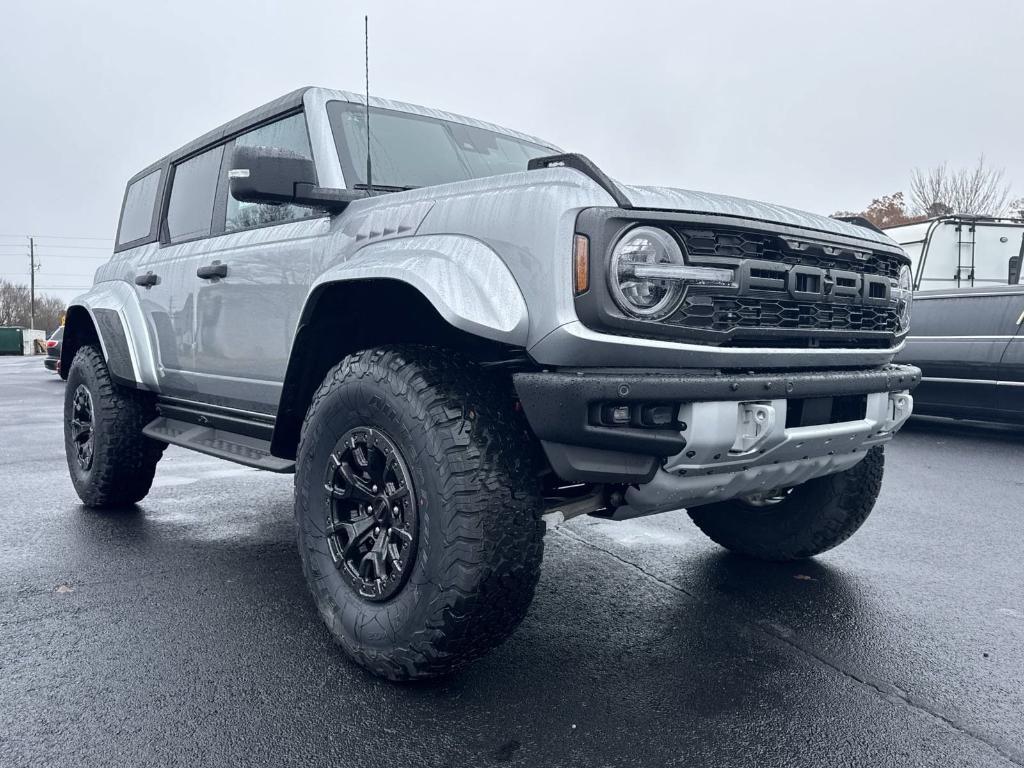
x: 813, y: 104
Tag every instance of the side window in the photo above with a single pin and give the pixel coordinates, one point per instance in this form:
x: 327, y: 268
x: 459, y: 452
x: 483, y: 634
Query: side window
x: 193, y: 192
x: 137, y: 216
x: 288, y: 134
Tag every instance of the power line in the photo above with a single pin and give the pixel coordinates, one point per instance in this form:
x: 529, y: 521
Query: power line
x: 72, y: 247
x: 63, y: 237
x: 69, y: 275
x: 76, y: 256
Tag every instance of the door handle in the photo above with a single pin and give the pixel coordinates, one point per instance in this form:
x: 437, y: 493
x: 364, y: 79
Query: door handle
x: 212, y: 271
x: 147, y: 280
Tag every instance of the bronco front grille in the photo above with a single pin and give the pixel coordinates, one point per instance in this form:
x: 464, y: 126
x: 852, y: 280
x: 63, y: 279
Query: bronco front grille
x: 736, y: 244
x: 788, y: 287
x: 793, y: 288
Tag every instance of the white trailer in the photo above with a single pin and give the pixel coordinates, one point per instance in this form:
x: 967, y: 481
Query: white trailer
x: 962, y: 251
x: 967, y: 331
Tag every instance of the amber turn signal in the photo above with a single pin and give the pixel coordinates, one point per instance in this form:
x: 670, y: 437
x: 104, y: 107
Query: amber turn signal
x: 581, y: 264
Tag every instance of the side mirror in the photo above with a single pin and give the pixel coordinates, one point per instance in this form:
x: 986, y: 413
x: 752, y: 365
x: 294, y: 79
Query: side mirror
x: 278, y: 176
x: 1013, y: 278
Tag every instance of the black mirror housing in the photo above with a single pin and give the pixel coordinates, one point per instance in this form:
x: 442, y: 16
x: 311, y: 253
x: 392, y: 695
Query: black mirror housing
x: 1014, y: 276
x: 278, y: 176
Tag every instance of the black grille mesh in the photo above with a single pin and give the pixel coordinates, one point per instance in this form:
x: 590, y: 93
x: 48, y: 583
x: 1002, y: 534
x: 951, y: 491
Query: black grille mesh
x: 723, y: 310
x: 756, y: 245
x: 721, y: 313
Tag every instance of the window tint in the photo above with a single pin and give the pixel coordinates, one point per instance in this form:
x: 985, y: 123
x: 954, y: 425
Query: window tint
x: 193, y: 190
x: 288, y: 134
x: 416, y: 151
x: 137, y: 216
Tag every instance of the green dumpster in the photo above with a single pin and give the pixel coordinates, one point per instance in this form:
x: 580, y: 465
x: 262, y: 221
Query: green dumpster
x: 10, y: 341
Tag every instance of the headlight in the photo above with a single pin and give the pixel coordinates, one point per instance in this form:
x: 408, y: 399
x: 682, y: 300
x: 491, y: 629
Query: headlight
x: 904, y: 293
x: 646, y: 297
x: 648, y: 274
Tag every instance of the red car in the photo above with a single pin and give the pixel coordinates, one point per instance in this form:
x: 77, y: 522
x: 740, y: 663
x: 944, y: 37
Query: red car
x: 52, y: 360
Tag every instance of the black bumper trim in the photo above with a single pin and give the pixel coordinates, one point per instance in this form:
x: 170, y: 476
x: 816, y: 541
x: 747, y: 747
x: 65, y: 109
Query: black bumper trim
x: 557, y: 404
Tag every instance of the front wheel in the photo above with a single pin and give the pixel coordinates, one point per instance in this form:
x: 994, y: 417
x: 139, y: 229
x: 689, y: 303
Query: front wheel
x: 800, y: 522
x: 417, y: 505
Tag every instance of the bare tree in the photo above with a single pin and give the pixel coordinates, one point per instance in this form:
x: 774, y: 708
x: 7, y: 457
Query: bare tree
x: 49, y: 312
x: 14, y: 304
x: 16, y: 307
x: 978, y: 191
x: 1017, y: 209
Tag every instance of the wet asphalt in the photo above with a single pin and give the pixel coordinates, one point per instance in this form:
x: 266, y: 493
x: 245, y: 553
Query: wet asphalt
x: 181, y: 633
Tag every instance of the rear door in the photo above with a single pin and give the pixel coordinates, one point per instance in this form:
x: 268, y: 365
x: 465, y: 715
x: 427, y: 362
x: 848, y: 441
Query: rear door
x: 165, y: 276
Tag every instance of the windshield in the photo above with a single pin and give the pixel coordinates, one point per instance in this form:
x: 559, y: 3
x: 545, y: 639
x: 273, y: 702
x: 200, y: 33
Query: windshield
x: 416, y: 151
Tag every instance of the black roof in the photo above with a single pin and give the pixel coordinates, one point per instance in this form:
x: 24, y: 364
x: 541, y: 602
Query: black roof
x: 271, y: 109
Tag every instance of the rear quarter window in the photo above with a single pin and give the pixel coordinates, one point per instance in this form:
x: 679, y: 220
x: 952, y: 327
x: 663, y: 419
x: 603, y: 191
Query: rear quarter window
x: 139, y: 202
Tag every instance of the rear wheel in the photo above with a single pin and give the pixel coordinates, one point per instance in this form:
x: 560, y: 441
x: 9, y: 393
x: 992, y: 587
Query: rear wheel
x: 417, y: 505
x: 110, y: 461
x: 798, y: 522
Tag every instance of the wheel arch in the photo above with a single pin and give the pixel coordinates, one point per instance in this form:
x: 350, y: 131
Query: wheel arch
x: 344, y: 316
x: 110, y: 315
x: 79, y: 331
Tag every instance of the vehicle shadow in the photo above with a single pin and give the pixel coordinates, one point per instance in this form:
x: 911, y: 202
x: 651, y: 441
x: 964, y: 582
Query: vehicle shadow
x: 988, y: 430
x: 679, y: 670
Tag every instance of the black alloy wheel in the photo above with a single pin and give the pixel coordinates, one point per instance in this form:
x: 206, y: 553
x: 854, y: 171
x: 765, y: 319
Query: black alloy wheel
x: 372, y: 514
x: 82, y: 432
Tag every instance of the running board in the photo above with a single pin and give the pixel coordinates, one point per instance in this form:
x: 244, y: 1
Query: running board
x: 241, y: 449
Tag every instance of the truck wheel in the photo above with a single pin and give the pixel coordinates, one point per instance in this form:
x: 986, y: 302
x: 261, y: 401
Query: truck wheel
x: 417, y: 504
x: 801, y: 522
x: 111, y: 462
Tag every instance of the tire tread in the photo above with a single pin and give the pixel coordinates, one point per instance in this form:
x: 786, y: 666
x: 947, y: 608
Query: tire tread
x: 124, y: 462
x: 489, y: 501
x: 818, y: 516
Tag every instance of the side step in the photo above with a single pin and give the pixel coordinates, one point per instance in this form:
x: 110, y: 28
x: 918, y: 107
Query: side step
x: 241, y: 449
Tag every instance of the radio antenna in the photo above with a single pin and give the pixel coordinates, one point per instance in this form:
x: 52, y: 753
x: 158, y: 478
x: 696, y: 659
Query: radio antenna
x: 366, y: 45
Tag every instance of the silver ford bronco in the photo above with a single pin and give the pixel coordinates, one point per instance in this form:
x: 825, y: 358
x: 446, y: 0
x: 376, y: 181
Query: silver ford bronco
x: 467, y: 336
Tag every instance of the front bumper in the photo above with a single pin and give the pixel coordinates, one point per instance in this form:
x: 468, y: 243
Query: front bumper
x: 729, y: 434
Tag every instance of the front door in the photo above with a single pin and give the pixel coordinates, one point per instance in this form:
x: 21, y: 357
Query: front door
x: 251, y: 282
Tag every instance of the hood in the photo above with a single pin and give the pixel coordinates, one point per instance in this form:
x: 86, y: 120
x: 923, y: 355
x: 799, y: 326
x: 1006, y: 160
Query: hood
x: 670, y: 199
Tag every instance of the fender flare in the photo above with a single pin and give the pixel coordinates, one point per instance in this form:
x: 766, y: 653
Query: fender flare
x: 465, y: 281
x: 463, y: 278
x: 119, y: 324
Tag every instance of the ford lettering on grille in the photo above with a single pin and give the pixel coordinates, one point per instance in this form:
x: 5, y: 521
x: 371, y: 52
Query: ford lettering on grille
x: 805, y: 283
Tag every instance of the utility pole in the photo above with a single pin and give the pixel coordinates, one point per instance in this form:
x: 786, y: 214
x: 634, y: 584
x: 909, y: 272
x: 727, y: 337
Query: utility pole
x: 32, y: 283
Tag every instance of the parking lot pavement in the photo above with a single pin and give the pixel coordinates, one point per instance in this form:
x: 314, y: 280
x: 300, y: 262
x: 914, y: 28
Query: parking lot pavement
x: 181, y: 633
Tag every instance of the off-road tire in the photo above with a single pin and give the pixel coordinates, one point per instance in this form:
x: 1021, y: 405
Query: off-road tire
x: 814, y: 517
x: 474, y: 474
x: 123, y: 459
